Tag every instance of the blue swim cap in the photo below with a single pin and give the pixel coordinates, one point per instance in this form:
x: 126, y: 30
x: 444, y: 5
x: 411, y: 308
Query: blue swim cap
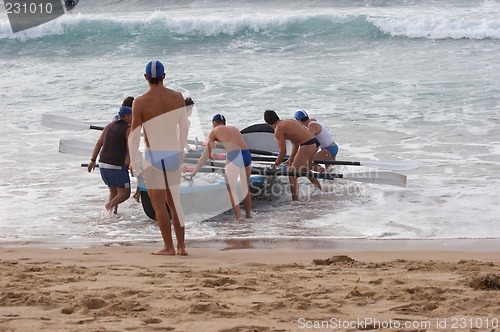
x: 300, y: 114
x: 124, y: 110
x: 219, y: 117
x: 155, y: 69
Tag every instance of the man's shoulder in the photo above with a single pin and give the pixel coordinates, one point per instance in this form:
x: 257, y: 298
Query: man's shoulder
x: 285, y: 124
x: 228, y: 129
x: 138, y: 99
x: 171, y: 93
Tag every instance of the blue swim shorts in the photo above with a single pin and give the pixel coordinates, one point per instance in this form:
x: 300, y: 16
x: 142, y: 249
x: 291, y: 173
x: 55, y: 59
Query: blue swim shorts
x: 333, y: 149
x: 240, y: 158
x: 114, y: 176
x: 168, y: 161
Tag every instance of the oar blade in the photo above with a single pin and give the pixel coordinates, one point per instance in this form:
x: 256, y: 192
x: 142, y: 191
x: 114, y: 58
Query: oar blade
x: 62, y: 122
x: 388, y: 178
x: 77, y: 148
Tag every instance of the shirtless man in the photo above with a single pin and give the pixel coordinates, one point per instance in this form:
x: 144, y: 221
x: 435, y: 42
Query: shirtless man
x: 238, y: 162
x: 329, y: 148
x: 304, y: 147
x: 162, y: 114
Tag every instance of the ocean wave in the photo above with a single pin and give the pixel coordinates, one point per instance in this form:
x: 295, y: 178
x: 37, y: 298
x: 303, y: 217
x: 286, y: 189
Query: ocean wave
x: 439, y: 28
x: 161, y: 25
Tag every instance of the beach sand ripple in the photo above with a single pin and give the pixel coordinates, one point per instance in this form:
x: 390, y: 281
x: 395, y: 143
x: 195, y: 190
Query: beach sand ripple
x: 110, y: 289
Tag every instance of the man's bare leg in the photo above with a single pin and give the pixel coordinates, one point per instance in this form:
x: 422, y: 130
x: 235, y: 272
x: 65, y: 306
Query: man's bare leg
x: 122, y: 194
x: 303, y: 160
x: 157, y: 197
x: 112, y: 194
x: 321, y: 155
x: 173, y: 197
x: 247, y: 202
x: 231, y: 177
x: 308, y: 168
x: 178, y: 229
x: 294, y: 187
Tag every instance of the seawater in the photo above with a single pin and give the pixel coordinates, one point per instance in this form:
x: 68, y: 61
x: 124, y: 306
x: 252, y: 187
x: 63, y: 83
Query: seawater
x: 415, y: 80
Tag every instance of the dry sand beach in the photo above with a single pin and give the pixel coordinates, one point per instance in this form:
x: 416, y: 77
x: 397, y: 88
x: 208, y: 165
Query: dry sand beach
x: 126, y: 289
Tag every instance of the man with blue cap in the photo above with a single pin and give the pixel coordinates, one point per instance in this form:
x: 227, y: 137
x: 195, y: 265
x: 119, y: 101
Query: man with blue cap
x: 329, y: 148
x: 114, y: 159
x: 238, y: 162
x: 162, y: 114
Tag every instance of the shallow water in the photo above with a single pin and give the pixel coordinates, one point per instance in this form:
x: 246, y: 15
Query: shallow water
x: 389, y: 80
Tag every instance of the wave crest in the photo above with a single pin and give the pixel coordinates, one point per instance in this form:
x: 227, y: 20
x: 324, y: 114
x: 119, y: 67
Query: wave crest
x: 263, y: 25
x: 439, y: 28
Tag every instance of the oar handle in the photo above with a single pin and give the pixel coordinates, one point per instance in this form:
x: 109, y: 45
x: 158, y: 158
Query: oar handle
x: 209, y: 163
x: 87, y: 165
x: 280, y: 172
x: 96, y: 127
x: 262, y: 152
x: 212, y: 156
x: 338, y: 162
x: 328, y: 162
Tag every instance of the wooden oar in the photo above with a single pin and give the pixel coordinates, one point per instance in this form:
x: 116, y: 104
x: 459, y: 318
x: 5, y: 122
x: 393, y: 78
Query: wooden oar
x: 388, y: 178
x: 76, y: 147
x: 393, y: 165
x: 63, y: 122
x: 208, y: 163
x: 81, y: 148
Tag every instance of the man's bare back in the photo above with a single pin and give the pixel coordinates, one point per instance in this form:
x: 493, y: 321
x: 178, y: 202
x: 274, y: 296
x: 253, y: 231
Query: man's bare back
x: 158, y: 101
x: 293, y: 131
x: 304, y: 147
x: 229, y: 136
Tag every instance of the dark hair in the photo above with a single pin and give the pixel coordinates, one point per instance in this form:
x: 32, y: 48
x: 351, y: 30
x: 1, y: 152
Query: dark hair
x: 154, y: 80
x: 271, y: 117
x: 188, y: 101
x: 304, y: 119
x: 219, y: 122
x: 128, y: 101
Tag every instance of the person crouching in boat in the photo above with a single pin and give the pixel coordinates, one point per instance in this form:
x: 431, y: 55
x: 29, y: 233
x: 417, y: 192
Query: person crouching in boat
x: 329, y: 148
x: 304, y: 148
x: 238, y: 162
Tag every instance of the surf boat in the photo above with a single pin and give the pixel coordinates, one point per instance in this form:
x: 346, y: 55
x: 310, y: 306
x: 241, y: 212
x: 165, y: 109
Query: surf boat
x: 263, y: 146
x: 202, y: 200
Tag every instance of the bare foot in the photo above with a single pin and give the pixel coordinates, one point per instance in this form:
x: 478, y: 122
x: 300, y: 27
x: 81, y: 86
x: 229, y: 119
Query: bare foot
x: 164, y: 252
x: 181, y: 251
x: 248, y: 216
x: 111, y: 208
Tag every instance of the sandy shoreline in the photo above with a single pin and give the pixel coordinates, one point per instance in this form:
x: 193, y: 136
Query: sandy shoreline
x: 303, y: 243
x: 124, y: 288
